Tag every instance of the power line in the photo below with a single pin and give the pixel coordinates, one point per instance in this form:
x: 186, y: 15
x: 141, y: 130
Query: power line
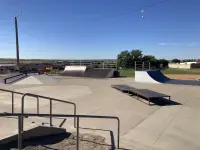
x: 131, y: 11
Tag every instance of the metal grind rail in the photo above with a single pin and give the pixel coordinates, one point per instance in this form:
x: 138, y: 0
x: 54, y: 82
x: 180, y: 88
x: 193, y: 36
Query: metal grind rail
x: 21, y: 116
x: 5, y: 80
x: 38, y: 96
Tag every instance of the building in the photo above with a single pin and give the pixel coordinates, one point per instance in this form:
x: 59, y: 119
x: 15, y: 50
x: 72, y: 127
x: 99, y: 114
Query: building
x: 185, y: 65
x: 6, y: 68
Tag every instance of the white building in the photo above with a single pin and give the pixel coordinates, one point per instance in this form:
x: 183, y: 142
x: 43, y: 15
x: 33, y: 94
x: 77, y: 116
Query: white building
x: 184, y: 65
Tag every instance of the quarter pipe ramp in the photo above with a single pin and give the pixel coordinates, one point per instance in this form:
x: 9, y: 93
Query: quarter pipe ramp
x: 156, y: 76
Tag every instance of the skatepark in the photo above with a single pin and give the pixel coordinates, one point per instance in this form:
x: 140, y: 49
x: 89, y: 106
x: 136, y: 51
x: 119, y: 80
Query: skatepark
x: 159, y: 126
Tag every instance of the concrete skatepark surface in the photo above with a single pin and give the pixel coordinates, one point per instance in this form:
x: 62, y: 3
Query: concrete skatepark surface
x: 157, y: 127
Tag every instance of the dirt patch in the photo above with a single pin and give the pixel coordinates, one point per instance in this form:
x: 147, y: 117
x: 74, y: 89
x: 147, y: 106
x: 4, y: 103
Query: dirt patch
x: 183, y: 77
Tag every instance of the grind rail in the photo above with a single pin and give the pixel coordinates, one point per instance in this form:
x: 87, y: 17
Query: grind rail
x: 38, y: 96
x: 21, y: 116
x: 5, y: 79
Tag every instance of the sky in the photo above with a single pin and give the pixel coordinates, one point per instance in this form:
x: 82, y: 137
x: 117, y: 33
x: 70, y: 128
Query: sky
x: 100, y: 29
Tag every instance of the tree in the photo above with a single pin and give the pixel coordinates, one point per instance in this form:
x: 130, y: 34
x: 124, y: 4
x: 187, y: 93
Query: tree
x: 189, y: 60
x: 148, y: 58
x: 176, y: 60
x: 127, y: 58
x: 163, y: 63
x: 124, y: 59
x: 136, y: 55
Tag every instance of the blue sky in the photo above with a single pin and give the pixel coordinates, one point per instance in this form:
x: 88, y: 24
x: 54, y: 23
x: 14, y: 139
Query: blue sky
x: 94, y: 29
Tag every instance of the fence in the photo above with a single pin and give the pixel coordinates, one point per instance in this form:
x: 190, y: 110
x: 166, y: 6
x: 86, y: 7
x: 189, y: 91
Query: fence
x: 142, y: 65
x: 94, y: 64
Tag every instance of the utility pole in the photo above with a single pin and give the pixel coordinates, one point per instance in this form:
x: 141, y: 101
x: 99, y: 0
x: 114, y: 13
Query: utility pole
x: 17, y: 43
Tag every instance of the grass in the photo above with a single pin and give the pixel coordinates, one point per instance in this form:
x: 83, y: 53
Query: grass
x: 131, y: 72
x: 127, y: 72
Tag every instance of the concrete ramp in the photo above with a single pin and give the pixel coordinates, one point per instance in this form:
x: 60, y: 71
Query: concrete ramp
x: 75, y: 68
x: 156, y: 76
x: 80, y: 71
x: 37, y: 79
x: 45, y: 79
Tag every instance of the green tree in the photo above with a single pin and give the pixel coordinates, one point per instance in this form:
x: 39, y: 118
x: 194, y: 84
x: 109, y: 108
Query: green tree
x: 136, y: 55
x: 123, y: 59
x: 148, y: 58
x: 176, y: 60
x: 163, y: 63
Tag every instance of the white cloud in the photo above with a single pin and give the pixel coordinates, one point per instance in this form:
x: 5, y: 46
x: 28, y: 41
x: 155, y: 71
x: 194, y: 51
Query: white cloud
x: 168, y: 44
x: 191, y: 44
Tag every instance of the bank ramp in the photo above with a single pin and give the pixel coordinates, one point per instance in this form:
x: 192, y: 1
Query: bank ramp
x: 83, y: 71
x: 37, y: 79
x: 156, y: 76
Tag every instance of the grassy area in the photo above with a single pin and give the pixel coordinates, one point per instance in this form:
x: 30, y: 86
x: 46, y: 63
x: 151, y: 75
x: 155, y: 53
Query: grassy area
x: 131, y: 72
x: 181, y: 71
x: 127, y: 72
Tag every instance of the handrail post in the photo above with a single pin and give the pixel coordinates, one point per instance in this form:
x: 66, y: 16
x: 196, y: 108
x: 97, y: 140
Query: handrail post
x: 77, y: 134
x: 37, y: 105
x: 22, y: 113
x: 51, y: 112
x: 118, y: 133
x: 19, y: 132
x: 74, y: 116
x: 12, y: 102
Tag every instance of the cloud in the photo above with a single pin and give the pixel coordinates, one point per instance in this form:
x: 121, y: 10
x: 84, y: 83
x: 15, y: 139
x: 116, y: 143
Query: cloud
x: 168, y: 44
x: 192, y: 44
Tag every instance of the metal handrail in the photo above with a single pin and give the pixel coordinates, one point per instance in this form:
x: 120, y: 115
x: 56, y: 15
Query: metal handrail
x: 13, y: 92
x: 5, y: 79
x: 50, y: 99
x: 21, y: 116
x: 34, y: 95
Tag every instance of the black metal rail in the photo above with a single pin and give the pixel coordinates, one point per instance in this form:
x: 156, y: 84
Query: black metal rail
x: 5, y: 79
x: 21, y: 116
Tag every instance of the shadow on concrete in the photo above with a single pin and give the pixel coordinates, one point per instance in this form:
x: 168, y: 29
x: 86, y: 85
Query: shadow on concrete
x: 38, y: 142
x: 157, y: 101
x: 122, y: 77
x: 112, y: 139
x: 164, y: 102
x: 53, y: 142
